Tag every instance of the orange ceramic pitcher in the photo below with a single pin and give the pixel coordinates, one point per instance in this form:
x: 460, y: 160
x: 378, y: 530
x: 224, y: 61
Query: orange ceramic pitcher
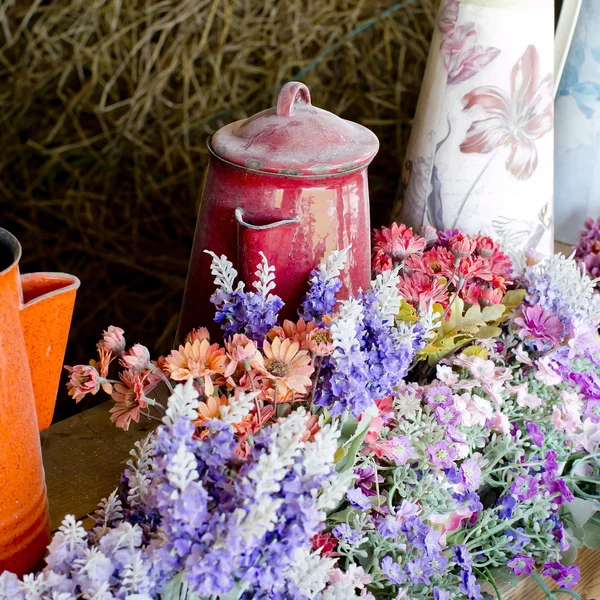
x: 35, y: 316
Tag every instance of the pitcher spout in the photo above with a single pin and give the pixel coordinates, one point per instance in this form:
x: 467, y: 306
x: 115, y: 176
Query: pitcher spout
x: 48, y: 301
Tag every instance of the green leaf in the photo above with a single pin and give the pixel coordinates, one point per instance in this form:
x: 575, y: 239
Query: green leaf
x: 570, y: 556
x: 505, y: 576
x: 591, y: 535
x: 348, y: 460
x: 581, y: 511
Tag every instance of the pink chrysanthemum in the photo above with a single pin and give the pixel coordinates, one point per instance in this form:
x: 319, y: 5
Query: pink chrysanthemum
x: 540, y: 327
x: 396, y: 242
x: 84, y: 380
x: 130, y: 397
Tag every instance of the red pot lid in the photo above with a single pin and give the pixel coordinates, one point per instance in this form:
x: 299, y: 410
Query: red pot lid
x: 295, y: 138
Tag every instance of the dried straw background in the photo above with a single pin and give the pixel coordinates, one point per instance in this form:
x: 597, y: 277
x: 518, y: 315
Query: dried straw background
x: 106, y: 105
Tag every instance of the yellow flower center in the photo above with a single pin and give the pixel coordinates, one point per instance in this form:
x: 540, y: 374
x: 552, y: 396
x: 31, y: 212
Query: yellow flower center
x: 322, y: 337
x: 277, y: 368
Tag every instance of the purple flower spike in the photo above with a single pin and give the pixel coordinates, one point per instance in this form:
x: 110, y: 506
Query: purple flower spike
x: 507, y: 505
x: 393, y: 571
x: 524, y: 488
x: 536, y: 434
x: 358, y: 499
x: 442, y: 455
x: 521, y: 564
x: 567, y: 577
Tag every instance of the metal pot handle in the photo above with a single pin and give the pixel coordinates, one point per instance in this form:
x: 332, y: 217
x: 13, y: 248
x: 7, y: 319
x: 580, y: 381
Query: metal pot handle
x: 291, y: 93
x: 275, y: 241
x: 239, y: 217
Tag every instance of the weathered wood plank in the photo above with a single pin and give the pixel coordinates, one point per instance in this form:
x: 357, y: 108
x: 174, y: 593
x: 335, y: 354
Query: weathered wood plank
x: 83, y: 459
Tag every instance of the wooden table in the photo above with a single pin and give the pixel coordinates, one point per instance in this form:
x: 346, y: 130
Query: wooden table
x: 85, y: 455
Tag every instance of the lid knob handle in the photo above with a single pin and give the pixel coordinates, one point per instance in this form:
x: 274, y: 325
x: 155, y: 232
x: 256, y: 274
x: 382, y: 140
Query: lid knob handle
x: 291, y: 93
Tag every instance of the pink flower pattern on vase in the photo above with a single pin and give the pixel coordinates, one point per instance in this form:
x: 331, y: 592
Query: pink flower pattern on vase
x: 463, y: 57
x: 516, y: 119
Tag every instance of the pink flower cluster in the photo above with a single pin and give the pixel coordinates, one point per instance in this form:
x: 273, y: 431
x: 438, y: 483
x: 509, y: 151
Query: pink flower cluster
x: 435, y: 267
x: 587, y: 250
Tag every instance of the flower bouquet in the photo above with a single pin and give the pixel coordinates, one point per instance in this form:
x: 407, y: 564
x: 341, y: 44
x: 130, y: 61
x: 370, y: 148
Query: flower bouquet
x: 434, y: 437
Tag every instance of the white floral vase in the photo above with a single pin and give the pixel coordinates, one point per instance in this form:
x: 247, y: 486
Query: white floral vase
x: 480, y: 156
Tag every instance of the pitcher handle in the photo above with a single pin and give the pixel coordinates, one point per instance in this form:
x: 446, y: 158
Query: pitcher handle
x: 273, y: 240
x: 239, y: 217
x: 289, y: 94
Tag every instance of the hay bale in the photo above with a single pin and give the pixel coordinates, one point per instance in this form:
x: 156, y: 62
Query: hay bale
x: 106, y: 104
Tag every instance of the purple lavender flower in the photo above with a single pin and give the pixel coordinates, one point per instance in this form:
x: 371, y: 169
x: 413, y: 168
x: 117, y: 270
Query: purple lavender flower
x: 558, y: 533
x: 442, y: 455
x: 592, y: 410
x: 540, y: 327
x: 416, y: 532
x: 469, y: 586
x: 365, y: 479
x: 393, y: 571
x: 419, y: 571
x: 251, y: 313
x: 470, y: 500
x: 470, y: 473
x: 358, y: 499
x: 551, y: 465
x: 524, y: 488
x: 439, y: 395
x: 507, y: 505
x: 567, y: 577
x: 446, y: 415
x: 536, y: 434
x: 521, y: 564
x: 559, y: 491
x: 403, y: 450
x: 344, y: 532
x: 321, y: 298
x: 438, y: 562
x: 462, y: 557
x: 440, y: 594
x: 517, y: 538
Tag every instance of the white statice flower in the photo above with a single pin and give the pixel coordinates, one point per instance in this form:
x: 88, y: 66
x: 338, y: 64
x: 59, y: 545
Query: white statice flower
x: 183, y: 402
x: 431, y: 321
x: 334, y: 263
x: 404, y: 334
x: 109, y: 510
x: 386, y: 284
x: 237, y: 409
x: 309, y: 572
x: 319, y: 455
x: 137, y: 469
x: 406, y: 404
x: 224, y: 273
x: 567, y: 280
x: 334, y: 490
x: 266, y: 476
x: 94, y: 570
x: 135, y: 575
x: 345, y: 325
x: 265, y: 275
x: 181, y: 470
x: 34, y: 585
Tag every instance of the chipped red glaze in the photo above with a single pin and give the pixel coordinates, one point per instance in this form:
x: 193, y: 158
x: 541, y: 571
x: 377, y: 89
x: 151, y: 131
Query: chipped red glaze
x: 24, y: 531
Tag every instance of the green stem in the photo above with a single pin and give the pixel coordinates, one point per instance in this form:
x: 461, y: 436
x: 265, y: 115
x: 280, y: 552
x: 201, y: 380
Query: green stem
x: 490, y: 578
x: 543, y: 586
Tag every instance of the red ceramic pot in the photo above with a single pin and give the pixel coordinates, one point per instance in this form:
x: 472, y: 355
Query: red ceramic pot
x: 290, y: 182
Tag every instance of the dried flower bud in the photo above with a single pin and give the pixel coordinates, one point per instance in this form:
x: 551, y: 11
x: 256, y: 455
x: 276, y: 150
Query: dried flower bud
x: 112, y: 341
x: 137, y: 358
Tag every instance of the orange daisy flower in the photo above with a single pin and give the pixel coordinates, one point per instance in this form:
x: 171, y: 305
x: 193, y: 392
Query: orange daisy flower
x: 285, y: 365
x: 297, y: 332
x: 198, y: 360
